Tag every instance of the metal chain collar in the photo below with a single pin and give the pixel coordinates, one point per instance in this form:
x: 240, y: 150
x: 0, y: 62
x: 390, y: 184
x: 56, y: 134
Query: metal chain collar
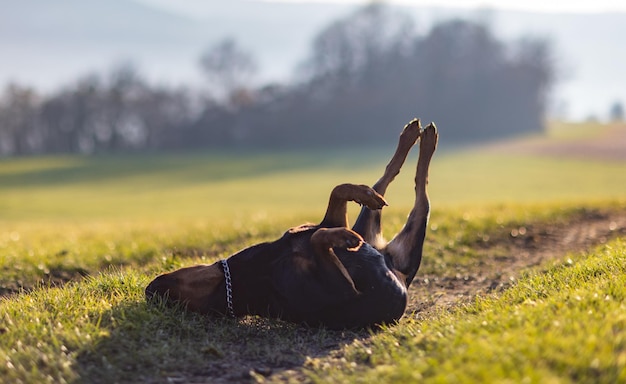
x: 229, y: 288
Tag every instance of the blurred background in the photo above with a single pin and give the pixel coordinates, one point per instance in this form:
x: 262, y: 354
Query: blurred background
x: 87, y: 76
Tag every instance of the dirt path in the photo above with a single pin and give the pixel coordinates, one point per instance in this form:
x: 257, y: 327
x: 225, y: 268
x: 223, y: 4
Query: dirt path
x: 525, y: 248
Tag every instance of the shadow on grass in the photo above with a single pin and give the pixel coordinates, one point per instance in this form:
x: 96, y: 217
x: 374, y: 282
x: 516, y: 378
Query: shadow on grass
x: 144, y: 342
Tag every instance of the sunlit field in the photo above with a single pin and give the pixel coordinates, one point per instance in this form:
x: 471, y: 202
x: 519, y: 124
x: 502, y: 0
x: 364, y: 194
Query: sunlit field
x: 80, y: 237
x: 231, y: 187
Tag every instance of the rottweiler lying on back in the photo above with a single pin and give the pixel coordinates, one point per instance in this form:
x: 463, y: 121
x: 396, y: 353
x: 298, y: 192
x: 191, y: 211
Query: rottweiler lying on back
x: 326, y: 274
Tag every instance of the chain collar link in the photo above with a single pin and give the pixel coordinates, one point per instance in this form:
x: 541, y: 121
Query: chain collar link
x: 229, y: 288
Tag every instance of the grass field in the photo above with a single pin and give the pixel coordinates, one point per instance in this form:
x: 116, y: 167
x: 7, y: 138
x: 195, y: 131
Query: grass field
x: 80, y: 237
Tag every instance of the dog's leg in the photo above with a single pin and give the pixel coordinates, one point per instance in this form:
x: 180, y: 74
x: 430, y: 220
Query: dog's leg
x: 337, y: 212
x: 405, y: 249
x: 323, y: 242
x: 368, y: 222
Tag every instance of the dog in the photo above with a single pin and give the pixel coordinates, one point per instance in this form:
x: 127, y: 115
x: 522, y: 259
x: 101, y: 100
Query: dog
x: 323, y: 275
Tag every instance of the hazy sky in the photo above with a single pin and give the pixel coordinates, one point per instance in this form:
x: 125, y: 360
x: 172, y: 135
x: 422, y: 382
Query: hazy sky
x: 196, y: 7
x: 530, y: 5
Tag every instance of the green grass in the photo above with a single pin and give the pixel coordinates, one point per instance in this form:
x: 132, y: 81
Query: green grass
x: 111, y: 334
x: 120, y: 221
x: 172, y: 186
x: 233, y: 188
x: 476, y: 179
x: 563, y: 324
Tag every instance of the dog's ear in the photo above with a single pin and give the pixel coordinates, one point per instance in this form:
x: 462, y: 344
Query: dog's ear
x: 191, y: 286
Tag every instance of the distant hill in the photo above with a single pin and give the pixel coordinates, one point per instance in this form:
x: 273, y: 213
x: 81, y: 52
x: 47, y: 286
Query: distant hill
x: 49, y: 43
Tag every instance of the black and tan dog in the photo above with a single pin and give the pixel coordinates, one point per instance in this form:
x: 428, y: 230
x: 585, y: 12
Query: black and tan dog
x: 326, y: 274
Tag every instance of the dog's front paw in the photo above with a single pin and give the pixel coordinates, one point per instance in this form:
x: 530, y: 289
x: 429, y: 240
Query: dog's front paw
x: 370, y: 198
x: 349, y: 240
x: 340, y: 237
x: 345, y: 238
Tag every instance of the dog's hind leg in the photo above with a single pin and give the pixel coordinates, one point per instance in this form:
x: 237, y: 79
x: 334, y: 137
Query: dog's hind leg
x: 405, y: 249
x: 368, y: 222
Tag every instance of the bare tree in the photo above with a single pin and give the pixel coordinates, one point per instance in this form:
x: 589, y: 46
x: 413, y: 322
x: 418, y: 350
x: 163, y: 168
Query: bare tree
x: 616, y: 112
x: 531, y: 73
x: 229, y: 69
x: 347, y: 47
x: 19, y: 133
x: 71, y: 116
x: 120, y: 125
x: 166, y: 114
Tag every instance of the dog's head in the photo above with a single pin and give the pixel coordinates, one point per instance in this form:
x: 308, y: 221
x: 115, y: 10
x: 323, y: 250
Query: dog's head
x: 198, y: 288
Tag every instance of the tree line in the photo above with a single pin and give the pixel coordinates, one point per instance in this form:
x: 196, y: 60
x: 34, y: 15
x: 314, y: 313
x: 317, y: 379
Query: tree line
x: 365, y: 76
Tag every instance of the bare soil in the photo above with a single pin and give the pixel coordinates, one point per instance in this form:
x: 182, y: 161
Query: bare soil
x: 525, y: 248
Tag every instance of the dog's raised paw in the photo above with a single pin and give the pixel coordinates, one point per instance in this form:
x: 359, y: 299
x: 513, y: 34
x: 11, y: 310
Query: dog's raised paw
x: 370, y: 198
x: 411, y: 132
x: 430, y: 136
x: 348, y: 239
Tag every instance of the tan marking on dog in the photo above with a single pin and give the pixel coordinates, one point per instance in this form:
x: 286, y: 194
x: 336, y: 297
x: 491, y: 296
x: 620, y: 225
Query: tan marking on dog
x: 195, y: 284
